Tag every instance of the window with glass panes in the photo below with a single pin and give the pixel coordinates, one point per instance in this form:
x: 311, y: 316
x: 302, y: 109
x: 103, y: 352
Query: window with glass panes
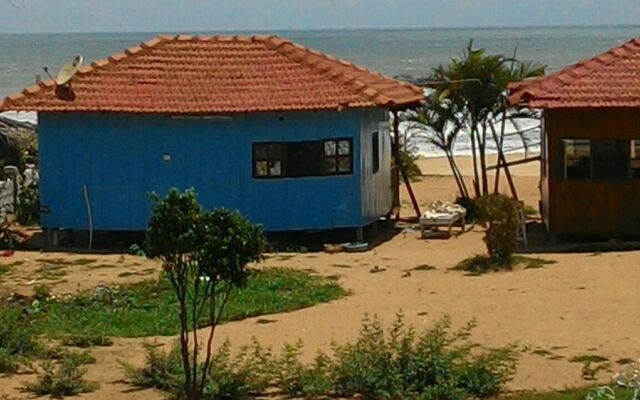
x: 301, y: 159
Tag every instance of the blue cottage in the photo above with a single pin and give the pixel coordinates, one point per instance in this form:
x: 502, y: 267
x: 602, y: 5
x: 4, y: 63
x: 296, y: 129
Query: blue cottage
x: 292, y: 138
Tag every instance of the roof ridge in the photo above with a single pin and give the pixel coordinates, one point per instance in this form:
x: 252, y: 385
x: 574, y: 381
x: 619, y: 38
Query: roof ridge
x: 573, y: 72
x: 356, y: 85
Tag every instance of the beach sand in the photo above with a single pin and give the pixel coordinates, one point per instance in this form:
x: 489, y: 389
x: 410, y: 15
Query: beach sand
x: 584, y: 304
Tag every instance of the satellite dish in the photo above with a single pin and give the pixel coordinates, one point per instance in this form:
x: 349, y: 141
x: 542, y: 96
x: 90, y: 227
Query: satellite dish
x: 68, y: 71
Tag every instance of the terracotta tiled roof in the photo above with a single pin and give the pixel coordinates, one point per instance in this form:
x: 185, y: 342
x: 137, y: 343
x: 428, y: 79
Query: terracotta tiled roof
x: 218, y: 74
x: 611, y: 79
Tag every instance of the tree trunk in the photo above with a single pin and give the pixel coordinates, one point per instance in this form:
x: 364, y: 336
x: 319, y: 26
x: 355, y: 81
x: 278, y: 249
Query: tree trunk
x: 476, y: 185
x: 456, y: 175
x: 483, y: 159
x: 503, y: 163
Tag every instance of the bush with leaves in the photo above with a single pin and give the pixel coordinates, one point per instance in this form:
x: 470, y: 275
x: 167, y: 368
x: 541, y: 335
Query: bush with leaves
x: 500, y: 216
x: 435, y: 364
x: 63, y: 379
x: 17, y: 339
x: 204, y: 255
x: 29, y: 205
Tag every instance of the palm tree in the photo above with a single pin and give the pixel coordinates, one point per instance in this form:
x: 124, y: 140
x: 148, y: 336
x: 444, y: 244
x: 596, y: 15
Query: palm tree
x: 475, y: 84
x: 436, y: 122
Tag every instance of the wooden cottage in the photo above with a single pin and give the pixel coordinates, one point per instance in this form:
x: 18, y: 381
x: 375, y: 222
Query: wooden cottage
x: 292, y: 138
x: 590, y: 175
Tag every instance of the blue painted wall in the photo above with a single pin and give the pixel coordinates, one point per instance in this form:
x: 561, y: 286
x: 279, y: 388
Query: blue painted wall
x: 119, y: 158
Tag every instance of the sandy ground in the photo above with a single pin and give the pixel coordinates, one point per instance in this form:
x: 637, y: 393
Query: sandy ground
x: 583, y: 304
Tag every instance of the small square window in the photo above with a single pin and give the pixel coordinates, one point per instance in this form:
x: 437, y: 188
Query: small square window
x: 344, y: 164
x: 330, y: 148
x: 344, y: 148
x: 262, y: 168
x: 275, y: 168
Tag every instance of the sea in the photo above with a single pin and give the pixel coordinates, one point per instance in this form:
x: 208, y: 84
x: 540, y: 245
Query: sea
x: 395, y: 52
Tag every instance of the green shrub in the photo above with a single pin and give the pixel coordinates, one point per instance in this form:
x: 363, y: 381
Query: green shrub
x: 500, y: 216
x: 409, y: 162
x: 161, y: 370
x: 63, y: 379
x: 41, y: 292
x: 84, y: 341
x: 297, y: 379
x: 230, y: 377
x: 59, y: 353
x: 235, y: 377
x: 29, y: 206
x: 436, y: 364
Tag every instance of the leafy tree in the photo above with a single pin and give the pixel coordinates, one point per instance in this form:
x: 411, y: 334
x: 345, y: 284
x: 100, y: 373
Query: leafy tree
x: 205, y: 255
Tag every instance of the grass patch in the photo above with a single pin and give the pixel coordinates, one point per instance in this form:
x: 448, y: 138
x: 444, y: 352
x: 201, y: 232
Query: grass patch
x: 345, y: 266
x: 149, y: 307
x: 625, y: 361
x: 4, y: 269
x: 51, y: 271
x: 422, y: 267
x: 130, y: 273
x: 82, y: 261
x: 16, y: 263
x: 84, y: 341
x: 101, y: 266
x: 480, y: 264
x: 588, y: 358
x: 542, y: 352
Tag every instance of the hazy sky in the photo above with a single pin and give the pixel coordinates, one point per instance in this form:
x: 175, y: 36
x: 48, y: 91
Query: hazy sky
x: 235, y: 15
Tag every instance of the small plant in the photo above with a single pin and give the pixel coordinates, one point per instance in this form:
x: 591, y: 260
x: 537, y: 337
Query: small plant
x: 8, y: 362
x: 29, y: 205
x: 161, y: 371
x: 16, y: 336
x: 63, y: 379
x: 250, y: 371
x: 59, y: 353
x: 41, y: 292
x: 499, y: 214
x: 84, y: 341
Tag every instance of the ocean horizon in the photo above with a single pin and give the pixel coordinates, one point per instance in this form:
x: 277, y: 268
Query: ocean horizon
x: 394, y: 52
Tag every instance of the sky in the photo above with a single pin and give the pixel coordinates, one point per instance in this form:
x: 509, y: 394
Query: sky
x: 40, y: 16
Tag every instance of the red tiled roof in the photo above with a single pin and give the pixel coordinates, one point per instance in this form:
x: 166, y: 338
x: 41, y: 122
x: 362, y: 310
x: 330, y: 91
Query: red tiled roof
x: 611, y: 79
x: 218, y: 74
